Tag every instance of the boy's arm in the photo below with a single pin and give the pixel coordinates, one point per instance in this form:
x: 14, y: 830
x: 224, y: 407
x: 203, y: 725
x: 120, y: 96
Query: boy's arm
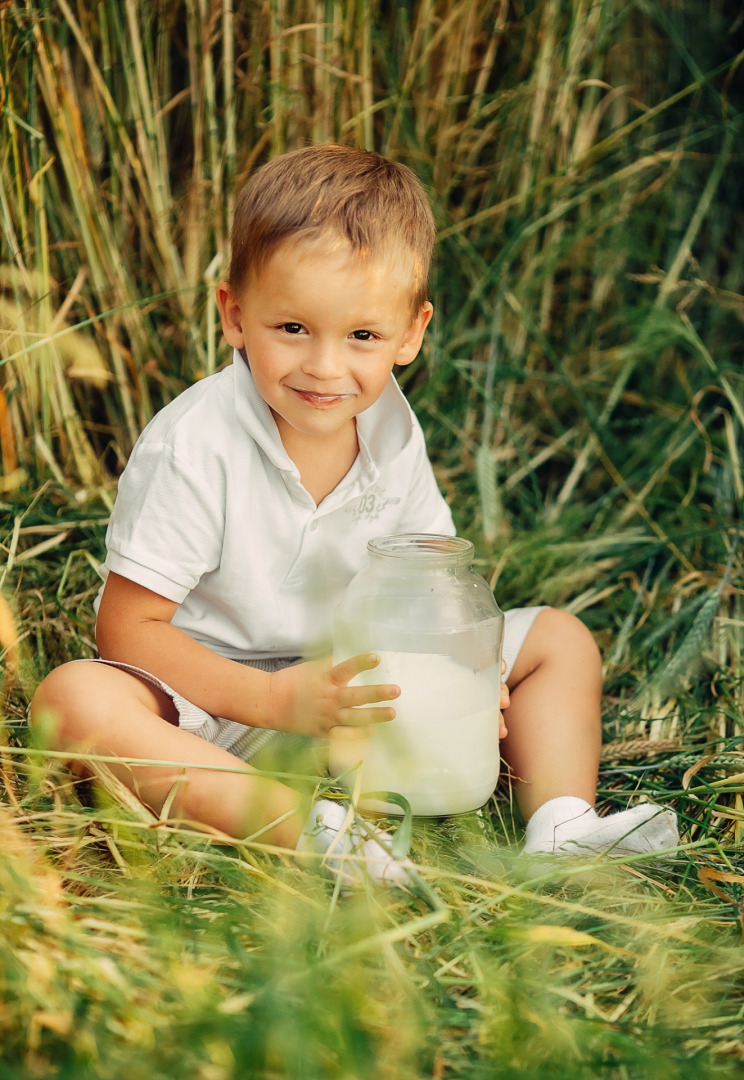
x: 134, y: 627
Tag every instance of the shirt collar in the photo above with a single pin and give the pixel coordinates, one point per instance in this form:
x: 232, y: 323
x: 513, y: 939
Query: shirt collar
x: 383, y: 430
x: 254, y: 416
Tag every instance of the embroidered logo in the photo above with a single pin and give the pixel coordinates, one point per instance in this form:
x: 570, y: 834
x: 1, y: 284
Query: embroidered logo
x: 370, y: 505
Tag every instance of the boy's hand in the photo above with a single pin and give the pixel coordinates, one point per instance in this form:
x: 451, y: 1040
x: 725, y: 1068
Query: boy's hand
x: 503, y: 704
x: 315, y: 699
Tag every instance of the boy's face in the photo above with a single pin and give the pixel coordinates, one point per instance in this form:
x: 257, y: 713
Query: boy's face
x: 322, y: 331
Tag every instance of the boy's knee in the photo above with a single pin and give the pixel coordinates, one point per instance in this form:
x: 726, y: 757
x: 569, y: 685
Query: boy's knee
x: 58, y: 708
x: 564, y: 628
x: 556, y: 636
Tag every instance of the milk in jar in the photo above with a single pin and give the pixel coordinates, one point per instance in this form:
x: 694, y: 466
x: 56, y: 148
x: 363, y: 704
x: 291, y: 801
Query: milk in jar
x: 438, y: 632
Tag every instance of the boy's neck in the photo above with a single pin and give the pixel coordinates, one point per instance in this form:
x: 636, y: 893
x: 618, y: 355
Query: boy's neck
x: 323, y: 461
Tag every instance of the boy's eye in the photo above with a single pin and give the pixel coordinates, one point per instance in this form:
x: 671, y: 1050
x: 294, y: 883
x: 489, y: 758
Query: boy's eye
x: 292, y: 328
x: 362, y: 335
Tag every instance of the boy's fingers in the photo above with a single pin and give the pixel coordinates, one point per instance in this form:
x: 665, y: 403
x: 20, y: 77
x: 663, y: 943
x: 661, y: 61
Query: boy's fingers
x: 353, y: 696
x: 345, y: 671
x: 361, y: 718
x: 349, y: 734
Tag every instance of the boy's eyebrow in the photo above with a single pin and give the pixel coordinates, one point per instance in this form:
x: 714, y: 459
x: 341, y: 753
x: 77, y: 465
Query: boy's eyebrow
x: 283, y: 311
x: 382, y: 325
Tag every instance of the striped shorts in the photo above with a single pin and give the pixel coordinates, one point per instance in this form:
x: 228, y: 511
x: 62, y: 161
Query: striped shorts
x: 248, y: 742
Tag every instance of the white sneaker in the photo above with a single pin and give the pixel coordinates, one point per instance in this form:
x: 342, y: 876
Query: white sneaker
x: 351, y: 850
x: 570, y: 826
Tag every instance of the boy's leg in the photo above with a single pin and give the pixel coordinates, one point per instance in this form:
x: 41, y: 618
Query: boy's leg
x: 553, y: 746
x: 96, y: 709
x: 554, y: 717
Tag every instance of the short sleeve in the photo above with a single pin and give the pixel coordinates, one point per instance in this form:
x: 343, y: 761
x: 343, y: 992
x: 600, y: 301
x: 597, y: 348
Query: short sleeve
x: 167, y: 526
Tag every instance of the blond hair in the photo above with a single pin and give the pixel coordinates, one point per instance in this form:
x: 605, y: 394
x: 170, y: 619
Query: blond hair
x: 377, y: 205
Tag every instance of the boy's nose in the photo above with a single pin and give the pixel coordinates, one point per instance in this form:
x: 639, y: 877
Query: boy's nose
x: 324, y: 362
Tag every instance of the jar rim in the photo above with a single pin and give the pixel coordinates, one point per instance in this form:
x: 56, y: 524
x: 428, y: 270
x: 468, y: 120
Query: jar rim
x: 434, y: 549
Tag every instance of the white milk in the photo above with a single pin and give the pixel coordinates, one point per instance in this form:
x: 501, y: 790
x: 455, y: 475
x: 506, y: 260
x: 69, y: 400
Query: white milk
x: 442, y: 749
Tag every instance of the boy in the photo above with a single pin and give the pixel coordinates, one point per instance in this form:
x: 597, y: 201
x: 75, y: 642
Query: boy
x: 245, y: 510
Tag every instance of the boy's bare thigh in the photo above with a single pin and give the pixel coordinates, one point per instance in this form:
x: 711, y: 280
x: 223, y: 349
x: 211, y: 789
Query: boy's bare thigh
x: 78, y: 692
x: 145, y: 692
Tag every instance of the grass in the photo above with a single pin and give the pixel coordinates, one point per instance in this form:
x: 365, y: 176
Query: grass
x: 582, y: 395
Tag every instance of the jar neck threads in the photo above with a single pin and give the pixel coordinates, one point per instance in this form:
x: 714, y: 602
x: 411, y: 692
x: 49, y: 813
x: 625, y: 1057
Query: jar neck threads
x: 427, y: 551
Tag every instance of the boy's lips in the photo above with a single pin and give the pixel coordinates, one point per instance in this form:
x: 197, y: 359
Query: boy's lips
x: 320, y: 401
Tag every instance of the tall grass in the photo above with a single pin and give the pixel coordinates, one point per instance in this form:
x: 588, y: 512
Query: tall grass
x: 583, y: 398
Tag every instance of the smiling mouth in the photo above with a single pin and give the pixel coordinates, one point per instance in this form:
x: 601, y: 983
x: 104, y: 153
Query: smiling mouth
x: 320, y: 401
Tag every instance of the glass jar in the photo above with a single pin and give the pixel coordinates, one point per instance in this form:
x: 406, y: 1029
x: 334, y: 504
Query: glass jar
x: 438, y: 631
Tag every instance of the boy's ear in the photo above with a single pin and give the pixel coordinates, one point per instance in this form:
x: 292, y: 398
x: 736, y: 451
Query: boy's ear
x: 414, y: 335
x: 231, y: 316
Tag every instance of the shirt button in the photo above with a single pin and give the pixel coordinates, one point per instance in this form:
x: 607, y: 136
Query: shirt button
x: 314, y: 526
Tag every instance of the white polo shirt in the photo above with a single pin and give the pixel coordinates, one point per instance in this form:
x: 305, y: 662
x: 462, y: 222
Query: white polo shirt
x: 211, y: 514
